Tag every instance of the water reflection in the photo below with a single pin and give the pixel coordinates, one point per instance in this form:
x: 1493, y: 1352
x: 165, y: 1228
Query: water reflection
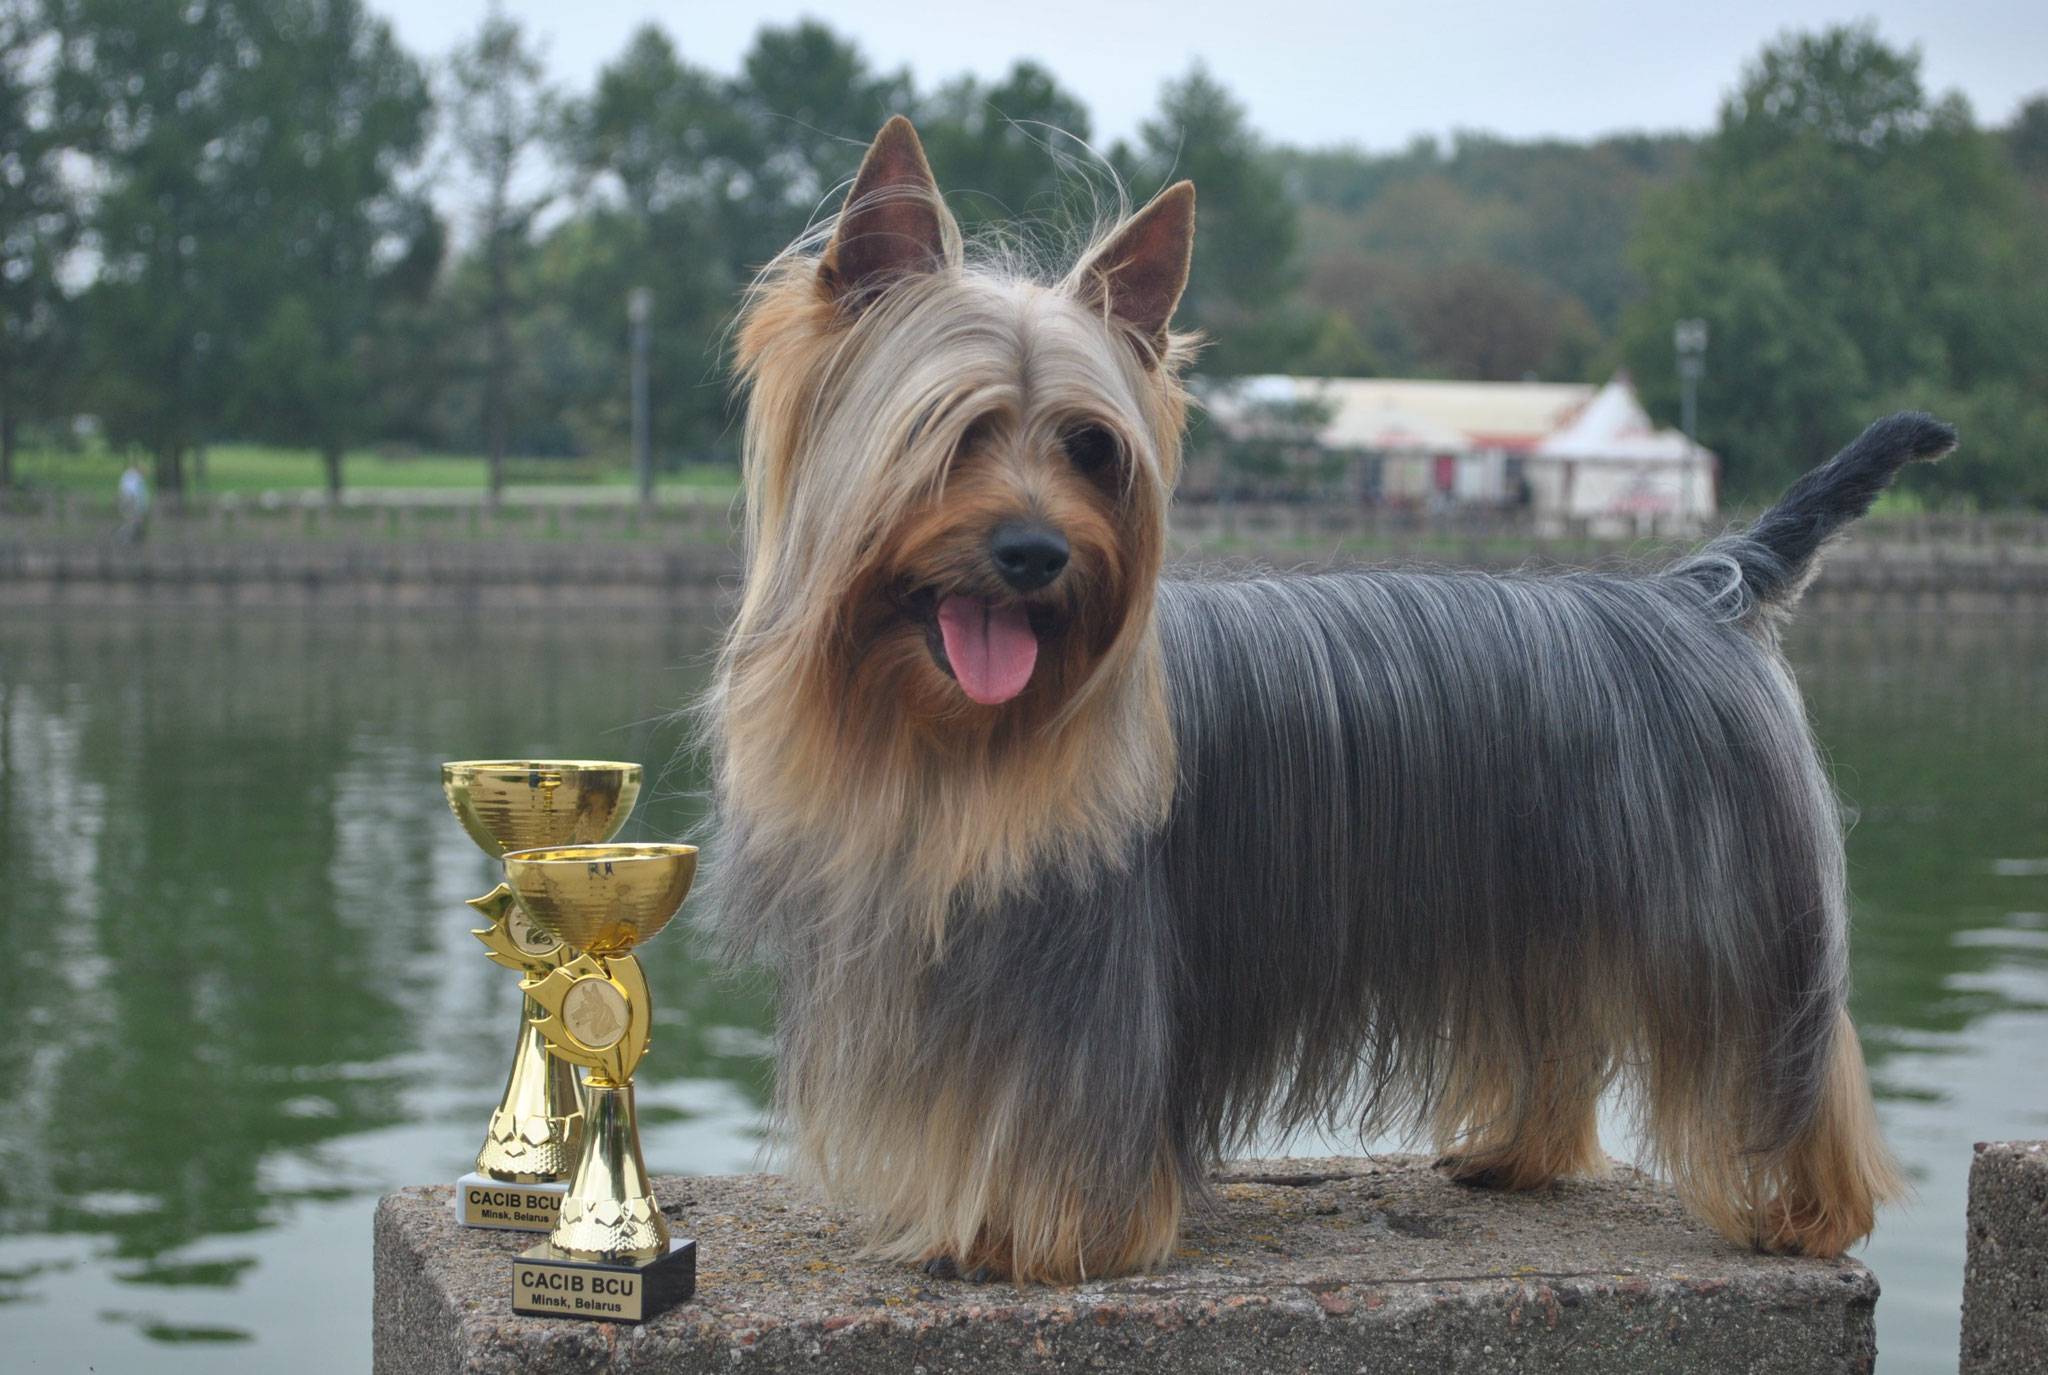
x: 247, y: 1002
x: 1939, y: 744
x: 251, y: 1001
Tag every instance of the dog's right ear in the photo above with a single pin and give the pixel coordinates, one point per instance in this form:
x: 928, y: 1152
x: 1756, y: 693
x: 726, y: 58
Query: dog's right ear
x: 894, y: 223
x: 1137, y: 277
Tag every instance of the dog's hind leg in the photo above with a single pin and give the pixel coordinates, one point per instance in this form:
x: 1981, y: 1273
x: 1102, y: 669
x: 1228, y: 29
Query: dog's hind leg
x: 1554, y: 1133
x: 1837, y: 1171
x: 1519, y: 1104
x: 1519, y: 1122
x: 1815, y: 1194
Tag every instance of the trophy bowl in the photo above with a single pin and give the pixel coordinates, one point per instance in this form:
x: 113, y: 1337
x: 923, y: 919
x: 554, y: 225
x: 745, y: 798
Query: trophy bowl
x: 536, y: 1131
x: 611, y: 1246
x: 517, y: 804
x: 602, y: 899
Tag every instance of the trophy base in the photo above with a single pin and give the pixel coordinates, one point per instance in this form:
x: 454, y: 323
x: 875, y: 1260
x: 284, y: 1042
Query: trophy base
x: 548, y: 1284
x: 481, y: 1201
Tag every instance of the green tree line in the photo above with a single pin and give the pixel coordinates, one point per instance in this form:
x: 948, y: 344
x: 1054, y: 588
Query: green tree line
x: 264, y: 219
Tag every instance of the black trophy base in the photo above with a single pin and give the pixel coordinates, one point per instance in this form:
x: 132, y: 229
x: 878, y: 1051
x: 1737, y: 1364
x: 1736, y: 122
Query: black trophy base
x: 481, y: 1201
x: 548, y: 1284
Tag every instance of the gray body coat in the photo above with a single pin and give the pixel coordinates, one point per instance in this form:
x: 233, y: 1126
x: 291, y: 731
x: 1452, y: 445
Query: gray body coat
x: 1442, y: 845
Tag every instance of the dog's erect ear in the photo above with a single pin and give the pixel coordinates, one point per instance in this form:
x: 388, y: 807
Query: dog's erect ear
x: 893, y: 223
x: 1139, y: 274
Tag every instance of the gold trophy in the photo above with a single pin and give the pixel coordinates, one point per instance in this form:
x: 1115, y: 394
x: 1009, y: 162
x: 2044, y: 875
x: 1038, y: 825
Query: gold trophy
x: 611, y: 1254
x: 510, y: 804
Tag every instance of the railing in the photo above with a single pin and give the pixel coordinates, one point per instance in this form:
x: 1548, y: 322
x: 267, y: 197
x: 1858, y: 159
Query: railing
x: 528, y: 513
x: 543, y: 552
x: 1199, y: 525
x: 713, y: 513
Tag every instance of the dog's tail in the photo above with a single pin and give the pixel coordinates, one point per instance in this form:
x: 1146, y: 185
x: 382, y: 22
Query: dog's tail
x: 1772, y: 561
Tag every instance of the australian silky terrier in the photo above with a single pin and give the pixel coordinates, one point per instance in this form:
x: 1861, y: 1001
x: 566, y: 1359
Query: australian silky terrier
x: 1076, y: 875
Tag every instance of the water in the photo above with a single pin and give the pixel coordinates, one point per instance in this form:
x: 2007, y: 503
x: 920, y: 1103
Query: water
x: 243, y: 1002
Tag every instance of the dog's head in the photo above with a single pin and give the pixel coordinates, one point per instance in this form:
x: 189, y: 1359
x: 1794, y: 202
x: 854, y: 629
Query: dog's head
x: 958, y: 472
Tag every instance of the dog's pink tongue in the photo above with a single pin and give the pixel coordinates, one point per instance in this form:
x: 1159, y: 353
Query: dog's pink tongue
x: 991, y: 648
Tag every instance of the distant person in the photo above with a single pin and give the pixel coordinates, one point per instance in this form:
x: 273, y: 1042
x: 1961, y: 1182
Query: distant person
x: 134, y: 502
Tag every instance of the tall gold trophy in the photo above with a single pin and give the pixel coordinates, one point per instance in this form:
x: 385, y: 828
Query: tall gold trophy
x: 611, y: 1254
x: 534, y: 1135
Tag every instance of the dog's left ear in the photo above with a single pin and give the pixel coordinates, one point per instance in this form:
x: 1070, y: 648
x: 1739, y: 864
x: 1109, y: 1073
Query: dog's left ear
x: 1139, y: 275
x: 894, y: 223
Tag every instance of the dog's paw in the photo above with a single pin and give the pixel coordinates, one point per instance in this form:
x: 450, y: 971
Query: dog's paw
x: 947, y: 1268
x: 1471, y: 1173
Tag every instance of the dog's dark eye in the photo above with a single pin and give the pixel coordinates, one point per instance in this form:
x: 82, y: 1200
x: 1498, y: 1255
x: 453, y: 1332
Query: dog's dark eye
x: 1092, y: 449
x: 976, y: 437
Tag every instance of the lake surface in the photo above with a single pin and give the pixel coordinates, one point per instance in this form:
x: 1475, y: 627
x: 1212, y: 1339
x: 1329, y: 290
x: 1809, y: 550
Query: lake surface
x: 243, y: 1002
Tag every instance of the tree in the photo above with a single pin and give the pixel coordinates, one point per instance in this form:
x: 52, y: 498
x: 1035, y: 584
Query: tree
x: 1535, y: 230
x: 1853, y: 244
x: 346, y: 114
x: 1243, y: 292
x: 2026, y: 142
x: 151, y: 93
x: 1271, y: 442
x: 1494, y: 323
x: 1362, y: 293
x: 36, y: 227
x: 502, y: 113
x: 665, y: 132
x: 1842, y: 89
x: 1009, y: 152
x: 813, y: 102
x: 687, y: 183
x: 664, y: 151
x: 411, y: 364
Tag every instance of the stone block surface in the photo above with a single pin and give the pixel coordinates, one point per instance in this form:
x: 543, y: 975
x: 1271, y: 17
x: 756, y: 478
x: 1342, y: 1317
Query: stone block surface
x: 2005, y: 1285
x: 1336, y: 1265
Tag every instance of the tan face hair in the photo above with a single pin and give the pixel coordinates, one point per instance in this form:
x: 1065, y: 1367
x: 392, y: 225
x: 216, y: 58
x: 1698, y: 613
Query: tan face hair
x: 1063, y: 478
x: 914, y: 422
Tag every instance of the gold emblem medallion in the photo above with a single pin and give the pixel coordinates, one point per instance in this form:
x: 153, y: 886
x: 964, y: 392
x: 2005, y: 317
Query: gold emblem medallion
x: 527, y: 936
x: 595, y: 1013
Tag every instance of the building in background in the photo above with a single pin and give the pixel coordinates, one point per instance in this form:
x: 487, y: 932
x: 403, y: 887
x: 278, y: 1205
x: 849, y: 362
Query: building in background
x: 1568, y: 455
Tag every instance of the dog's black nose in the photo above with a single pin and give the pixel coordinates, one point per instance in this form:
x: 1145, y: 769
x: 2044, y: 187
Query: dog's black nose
x: 1028, y: 555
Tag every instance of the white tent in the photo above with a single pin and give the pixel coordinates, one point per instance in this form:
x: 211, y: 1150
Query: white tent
x: 1611, y: 466
x: 1448, y: 416
x: 1579, y: 453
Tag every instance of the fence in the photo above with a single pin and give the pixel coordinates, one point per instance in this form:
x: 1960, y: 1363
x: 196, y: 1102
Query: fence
x: 713, y: 513
x: 419, y: 551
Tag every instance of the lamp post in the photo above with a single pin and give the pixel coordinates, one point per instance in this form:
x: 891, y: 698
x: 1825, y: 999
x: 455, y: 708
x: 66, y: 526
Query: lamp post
x: 639, y: 305
x: 1689, y: 339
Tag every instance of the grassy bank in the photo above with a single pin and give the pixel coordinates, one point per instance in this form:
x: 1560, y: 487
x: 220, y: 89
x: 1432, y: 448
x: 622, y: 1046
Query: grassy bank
x: 252, y: 469
x: 249, y: 470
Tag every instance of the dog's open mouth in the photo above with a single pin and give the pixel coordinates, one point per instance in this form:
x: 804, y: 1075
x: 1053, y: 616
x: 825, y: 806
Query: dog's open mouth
x: 989, y: 645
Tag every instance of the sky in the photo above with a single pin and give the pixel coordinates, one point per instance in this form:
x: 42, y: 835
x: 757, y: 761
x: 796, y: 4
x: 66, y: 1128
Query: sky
x: 1317, y: 72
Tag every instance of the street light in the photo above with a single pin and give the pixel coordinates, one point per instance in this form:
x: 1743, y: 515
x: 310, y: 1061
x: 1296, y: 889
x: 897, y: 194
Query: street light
x: 639, y: 305
x: 1689, y: 339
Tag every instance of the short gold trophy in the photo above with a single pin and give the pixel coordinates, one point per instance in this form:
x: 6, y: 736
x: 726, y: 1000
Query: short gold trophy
x: 510, y: 804
x: 611, y: 1254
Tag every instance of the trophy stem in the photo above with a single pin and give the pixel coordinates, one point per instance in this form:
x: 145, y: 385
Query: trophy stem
x: 610, y: 1213
x: 537, y: 1129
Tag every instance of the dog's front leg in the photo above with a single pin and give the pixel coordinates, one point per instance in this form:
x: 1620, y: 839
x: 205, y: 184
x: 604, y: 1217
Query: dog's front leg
x: 1052, y: 1232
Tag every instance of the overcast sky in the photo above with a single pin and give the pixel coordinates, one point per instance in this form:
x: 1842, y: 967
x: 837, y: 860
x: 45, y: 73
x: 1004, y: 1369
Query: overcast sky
x: 1324, y: 71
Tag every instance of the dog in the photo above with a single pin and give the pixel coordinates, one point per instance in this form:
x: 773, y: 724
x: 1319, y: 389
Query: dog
x: 1075, y: 875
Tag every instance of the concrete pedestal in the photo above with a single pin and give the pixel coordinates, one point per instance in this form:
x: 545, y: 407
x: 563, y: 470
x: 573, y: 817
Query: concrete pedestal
x: 1305, y: 1265
x: 2005, y: 1287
